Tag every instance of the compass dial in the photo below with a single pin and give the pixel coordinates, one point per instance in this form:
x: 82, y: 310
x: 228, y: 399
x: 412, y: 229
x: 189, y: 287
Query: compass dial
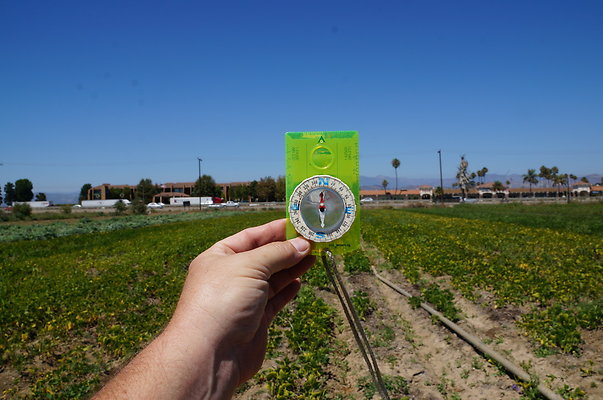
x: 322, y: 208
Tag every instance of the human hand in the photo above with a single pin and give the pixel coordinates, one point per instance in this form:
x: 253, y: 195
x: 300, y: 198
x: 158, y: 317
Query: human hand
x: 235, y: 288
x: 217, y: 337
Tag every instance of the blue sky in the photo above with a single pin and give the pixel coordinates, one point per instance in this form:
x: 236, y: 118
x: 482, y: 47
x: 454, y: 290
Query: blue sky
x: 115, y: 91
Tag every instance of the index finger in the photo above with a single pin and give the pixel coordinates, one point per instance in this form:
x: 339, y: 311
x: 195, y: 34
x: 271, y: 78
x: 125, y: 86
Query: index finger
x: 252, y: 238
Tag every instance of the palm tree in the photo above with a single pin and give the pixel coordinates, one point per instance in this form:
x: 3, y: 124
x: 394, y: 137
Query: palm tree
x: 396, y: 164
x: 545, y: 173
x: 484, y: 171
x: 498, y: 187
x: 480, y: 174
x: 558, y: 181
x: 567, y: 182
x: 384, y: 184
x: 531, y: 178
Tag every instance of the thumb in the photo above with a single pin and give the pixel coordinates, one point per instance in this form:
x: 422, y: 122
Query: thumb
x: 277, y: 256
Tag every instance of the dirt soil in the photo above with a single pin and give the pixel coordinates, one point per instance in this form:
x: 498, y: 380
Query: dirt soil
x: 440, y: 365
x: 436, y: 363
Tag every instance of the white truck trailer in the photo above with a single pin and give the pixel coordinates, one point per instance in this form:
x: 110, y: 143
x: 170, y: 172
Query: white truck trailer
x: 191, y: 201
x: 35, y: 204
x: 103, y: 203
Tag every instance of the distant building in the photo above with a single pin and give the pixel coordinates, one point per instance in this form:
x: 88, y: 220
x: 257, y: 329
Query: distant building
x: 168, y: 190
x: 422, y: 192
x: 106, y: 191
x: 582, y: 189
x: 485, y: 191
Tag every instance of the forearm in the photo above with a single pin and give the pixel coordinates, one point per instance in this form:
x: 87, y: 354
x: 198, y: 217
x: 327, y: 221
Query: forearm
x: 171, y: 368
x: 217, y: 336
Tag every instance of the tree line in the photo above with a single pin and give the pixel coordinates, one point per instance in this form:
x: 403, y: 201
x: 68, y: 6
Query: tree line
x: 550, y: 177
x: 20, y: 191
x: 265, y: 189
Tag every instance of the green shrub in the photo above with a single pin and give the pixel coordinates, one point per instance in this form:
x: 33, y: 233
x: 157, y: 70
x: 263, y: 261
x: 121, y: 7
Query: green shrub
x: 557, y: 327
x: 66, y: 209
x: 120, y: 207
x: 568, y: 392
x: 397, y: 387
x: 138, y: 207
x: 590, y: 315
x: 22, y: 211
x: 442, y: 300
x: 4, y: 216
x: 317, y: 275
x: 356, y: 261
x: 363, y: 304
x: 554, y: 327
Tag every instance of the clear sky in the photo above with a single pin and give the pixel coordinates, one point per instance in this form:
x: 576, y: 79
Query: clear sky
x: 115, y: 91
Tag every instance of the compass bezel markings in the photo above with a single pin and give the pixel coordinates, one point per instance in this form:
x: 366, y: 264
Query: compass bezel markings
x: 337, y: 187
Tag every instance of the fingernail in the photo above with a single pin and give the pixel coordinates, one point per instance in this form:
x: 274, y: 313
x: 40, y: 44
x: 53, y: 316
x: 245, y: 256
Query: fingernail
x: 301, y: 244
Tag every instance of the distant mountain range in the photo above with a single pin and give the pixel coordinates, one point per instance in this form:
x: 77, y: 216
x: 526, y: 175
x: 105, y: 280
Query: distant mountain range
x: 63, y: 198
x: 516, y: 181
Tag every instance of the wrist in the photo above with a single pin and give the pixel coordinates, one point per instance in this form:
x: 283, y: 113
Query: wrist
x: 203, y: 366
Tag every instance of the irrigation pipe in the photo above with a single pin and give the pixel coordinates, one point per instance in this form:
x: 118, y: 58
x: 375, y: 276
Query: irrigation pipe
x: 475, y: 342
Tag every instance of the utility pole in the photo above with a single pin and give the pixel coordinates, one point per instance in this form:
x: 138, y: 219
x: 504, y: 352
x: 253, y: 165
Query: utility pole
x: 441, y: 180
x: 199, y: 194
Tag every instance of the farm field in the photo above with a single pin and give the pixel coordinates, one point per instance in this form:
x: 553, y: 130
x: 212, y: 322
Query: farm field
x: 73, y: 309
x: 29, y: 230
x: 575, y: 217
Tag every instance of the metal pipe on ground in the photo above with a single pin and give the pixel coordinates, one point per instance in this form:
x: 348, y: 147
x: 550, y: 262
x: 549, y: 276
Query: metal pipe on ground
x: 474, y: 341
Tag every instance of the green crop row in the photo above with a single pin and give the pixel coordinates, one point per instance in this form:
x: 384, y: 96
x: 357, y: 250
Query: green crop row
x: 14, y: 232
x: 548, y: 269
x: 301, y: 372
x: 73, y: 309
x: 303, y: 359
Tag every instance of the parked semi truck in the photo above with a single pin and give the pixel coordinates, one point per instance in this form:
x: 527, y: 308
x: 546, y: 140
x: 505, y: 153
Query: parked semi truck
x: 103, y: 203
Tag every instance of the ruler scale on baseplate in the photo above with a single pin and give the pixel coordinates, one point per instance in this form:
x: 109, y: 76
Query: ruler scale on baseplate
x: 323, y: 187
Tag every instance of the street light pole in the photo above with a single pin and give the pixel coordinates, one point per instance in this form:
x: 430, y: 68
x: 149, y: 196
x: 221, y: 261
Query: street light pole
x: 199, y: 194
x: 441, y: 180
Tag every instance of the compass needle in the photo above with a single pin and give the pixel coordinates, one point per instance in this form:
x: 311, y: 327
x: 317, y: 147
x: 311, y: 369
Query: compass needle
x: 322, y: 209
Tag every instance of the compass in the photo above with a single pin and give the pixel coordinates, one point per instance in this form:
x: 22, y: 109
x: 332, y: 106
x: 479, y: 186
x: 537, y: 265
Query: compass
x: 322, y: 208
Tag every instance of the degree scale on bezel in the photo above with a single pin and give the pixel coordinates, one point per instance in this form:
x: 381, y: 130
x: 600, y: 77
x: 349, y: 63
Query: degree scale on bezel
x: 322, y: 208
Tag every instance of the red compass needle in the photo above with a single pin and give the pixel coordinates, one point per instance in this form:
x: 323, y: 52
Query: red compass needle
x: 322, y: 208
